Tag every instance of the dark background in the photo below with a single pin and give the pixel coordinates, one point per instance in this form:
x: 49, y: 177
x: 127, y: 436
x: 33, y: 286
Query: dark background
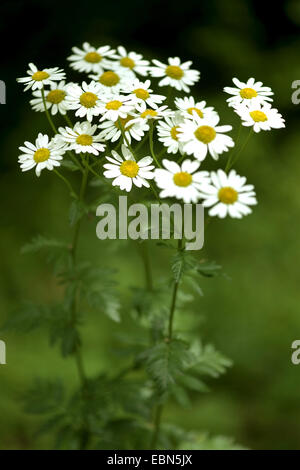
x: 255, y: 317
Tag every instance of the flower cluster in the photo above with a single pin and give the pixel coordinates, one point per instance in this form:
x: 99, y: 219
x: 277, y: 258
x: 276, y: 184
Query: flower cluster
x: 117, y: 106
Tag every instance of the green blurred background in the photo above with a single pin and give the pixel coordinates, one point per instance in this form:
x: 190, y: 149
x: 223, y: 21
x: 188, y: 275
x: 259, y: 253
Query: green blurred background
x: 253, y: 317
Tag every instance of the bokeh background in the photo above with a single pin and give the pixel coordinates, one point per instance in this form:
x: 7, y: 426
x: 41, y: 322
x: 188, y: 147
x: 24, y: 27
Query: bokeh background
x: 253, y: 315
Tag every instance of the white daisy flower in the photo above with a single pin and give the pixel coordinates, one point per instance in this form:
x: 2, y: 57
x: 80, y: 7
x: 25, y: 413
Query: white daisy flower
x: 188, y: 106
x: 111, y: 130
x: 89, y: 59
x: 248, y: 92
x: 200, y: 136
x: 42, y: 154
x: 126, y: 171
x: 82, y: 138
x: 260, y: 116
x: 153, y: 114
x: 228, y: 195
x: 55, y: 99
x: 176, y: 74
x: 168, y: 133
x: 183, y: 182
x: 131, y: 61
x: 37, y: 79
x: 112, y: 81
x: 114, y: 107
x: 85, y: 99
x: 142, y: 95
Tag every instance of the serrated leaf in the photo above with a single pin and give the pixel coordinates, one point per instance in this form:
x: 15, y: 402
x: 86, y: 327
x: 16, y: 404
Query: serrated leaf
x: 209, y: 268
x: 165, y: 362
x: 182, y: 263
x: 27, y: 317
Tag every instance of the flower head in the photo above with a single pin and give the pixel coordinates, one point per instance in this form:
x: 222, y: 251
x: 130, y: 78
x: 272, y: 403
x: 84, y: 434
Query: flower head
x: 153, y: 114
x: 115, y: 106
x: 142, y: 95
x: 112, y: 81
x: 167, y: 130
x: 111, y: 130
x: 55, y: 99
x: 85, y: 99
x: 82, y: 138
x: 44, y: 153
x: 200, y: 136
x: 126, y: 171
x: 37, y: 79
x: 91, y: 59
x: 262, y: 117
x: 228, y: 195
x: 188, y: 107
x: 248, y: 93
x: 175, y: 74
x: 182, y: 182
x: 130, y: 61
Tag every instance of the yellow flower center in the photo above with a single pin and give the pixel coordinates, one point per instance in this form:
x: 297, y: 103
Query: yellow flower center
x: 40, y: 75
x: 109, y: 78
x: 198, y: 111
x: 127, y: 62
x: 124, y: 121
x: 41, y: 155
x: 149, y: 113
x: 93, y: 57
x: 205, y: 134
x: 258, y: 116
x: 88, y: 99
x: 228, y: 195
x: 129, y: 168
x: 84, y: 139
x: 56, y: 96
x: 174, y: 71
x: 174, y: 132
x: 182, y: 179
x: 248, y: 93
x: 141, y: 93
x: 115, y: 104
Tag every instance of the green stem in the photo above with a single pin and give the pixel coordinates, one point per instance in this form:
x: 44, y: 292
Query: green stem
x: 151, y: 144
x: 124, y: 135
x: 234, y: 157
x: 67, y: 182
x: 159, y: 408
x: 68, y: 120
x: 47, y: 112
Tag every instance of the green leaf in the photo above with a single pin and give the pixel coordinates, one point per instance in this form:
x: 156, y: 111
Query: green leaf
x: 182, y: 263
x: 208, y: 268
x: 99, y: 288
x: 206, y: 360
x: 69, y: 165
x: 45, y: 396
x: 77, y: 210
x: 57, y: 251
x: 165, y: 362
x: 27, y: 317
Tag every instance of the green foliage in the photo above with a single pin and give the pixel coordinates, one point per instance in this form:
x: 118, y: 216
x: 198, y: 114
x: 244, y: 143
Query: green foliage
x: 174, y: 365
x: 45, y: 396
x: 57, y: 251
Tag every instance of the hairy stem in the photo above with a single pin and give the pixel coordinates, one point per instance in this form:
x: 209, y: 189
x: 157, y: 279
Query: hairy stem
x: 159, y: 408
